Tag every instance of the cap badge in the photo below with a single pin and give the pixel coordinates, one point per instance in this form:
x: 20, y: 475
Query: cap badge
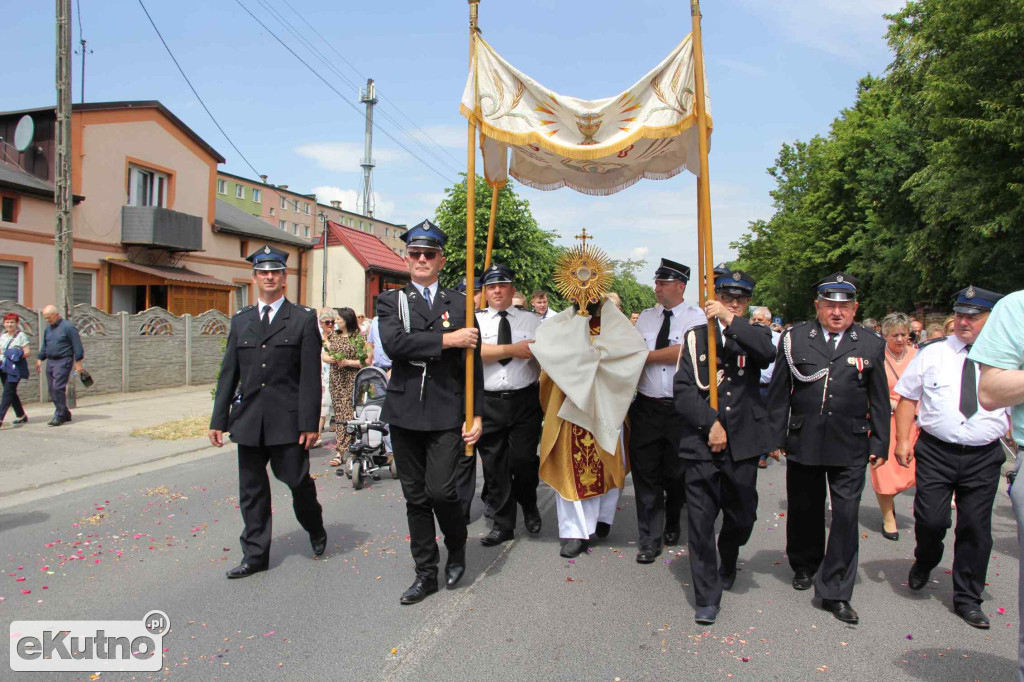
x: 266, y: 249
x: 970, y: 292
x: 736, y: 276
x: 839, y: 278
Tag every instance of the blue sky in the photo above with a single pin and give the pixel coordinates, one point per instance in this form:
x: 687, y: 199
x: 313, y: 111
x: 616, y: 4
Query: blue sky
x: 777, y: 71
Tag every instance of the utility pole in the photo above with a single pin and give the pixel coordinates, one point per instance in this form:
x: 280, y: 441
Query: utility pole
x: 368, y: 96
x: 63, y: 248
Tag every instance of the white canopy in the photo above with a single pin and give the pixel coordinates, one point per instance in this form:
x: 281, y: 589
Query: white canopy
x: 593, y: 146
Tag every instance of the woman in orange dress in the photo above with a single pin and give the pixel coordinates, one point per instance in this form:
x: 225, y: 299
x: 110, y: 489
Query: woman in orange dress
x: 891, y: 478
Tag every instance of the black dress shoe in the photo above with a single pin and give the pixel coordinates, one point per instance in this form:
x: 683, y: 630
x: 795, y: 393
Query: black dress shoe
x: 706, y: 615
x: 728, y: 578
x: 802, y: 580
x: 453, y: 574
x: 894, y: 536
x: 917, y: 578
x: 671, y: 537
x: 841, y: 609
x: 647, y: 555
x: 573, y: 548
x: 603, y: 529
x: 496, y: 537
x: 974, y: 617
x: 532, y: 521
x: 319, y: 543
x: 420, y: 590
x: 21, y: 420
x: 244, y: 570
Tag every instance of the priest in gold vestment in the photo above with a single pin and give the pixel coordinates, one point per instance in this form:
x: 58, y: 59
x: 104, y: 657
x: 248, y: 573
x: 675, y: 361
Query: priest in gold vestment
x: 591, y: 364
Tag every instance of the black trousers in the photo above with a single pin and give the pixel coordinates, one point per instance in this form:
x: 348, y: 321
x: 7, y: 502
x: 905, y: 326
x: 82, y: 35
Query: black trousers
x: 10, y: 399
x: 508, y: 451
x: 720, y: 485
x: 805, y: 525
x: 465, y: 479
x: 428, y: 466
x: 657, y: 469
x: 290, y: 464
x: 973, y: 474
x: 58, y: 373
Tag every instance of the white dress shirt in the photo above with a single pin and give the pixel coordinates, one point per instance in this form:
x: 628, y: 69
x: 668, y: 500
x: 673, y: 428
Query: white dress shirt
x: 656, y: 381
x: 519, y: 373
x: 933, y: 378
x: 432, y: 289
x: 549, y: 313
x: 274, y: 307
x: 766, y: 373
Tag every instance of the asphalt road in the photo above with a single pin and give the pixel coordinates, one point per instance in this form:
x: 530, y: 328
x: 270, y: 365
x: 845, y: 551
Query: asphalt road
x: 163, y: 539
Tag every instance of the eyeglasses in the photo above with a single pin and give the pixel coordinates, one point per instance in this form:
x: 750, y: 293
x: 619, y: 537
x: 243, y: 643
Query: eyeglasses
x: 327, y: 323
x: 429, y: 255
x: 729, y: 298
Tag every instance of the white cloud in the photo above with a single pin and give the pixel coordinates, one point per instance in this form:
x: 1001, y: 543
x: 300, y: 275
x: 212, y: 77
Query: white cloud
x: 450, y: 137
x: 351, y: 201
x: 852, y: 31
x: 640, y: 252
x: 345, y: 157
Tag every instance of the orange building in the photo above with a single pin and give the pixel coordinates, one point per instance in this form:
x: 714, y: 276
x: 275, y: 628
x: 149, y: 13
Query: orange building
x: 148, y: 228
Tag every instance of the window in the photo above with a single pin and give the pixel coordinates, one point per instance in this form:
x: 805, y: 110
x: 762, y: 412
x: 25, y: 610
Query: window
x: 83, y: 287
x: 147, y: 187
x: 11, y: 285
x: 282, y: 225
x: 271, y: 211
x: 239, y: 191
x: 8, y: 209
x: 305, y: 206
x: 284, y: 203
x: 295, y: 228
x: 256, y: 195
x: 222, y: 186
x: 305, y: 231
x: 241, y: 296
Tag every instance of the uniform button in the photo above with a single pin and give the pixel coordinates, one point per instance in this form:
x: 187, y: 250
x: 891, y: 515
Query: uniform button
x: 829, y: 395
x: 263, y: 365
x: 728, y: 392
x: 264, y: 385
x: 830, y: 414
x: 263, y: 346
x: 727, y: 409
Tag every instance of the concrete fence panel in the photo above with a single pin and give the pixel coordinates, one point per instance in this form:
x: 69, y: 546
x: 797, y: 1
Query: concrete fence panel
x: 156, y: 349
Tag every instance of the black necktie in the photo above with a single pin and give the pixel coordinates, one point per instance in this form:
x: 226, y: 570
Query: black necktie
x: 833, y: 341
x: 968, y: 388
x: 504, y: 334
x: 266, y: 317
x: 666, y: 324
x: 426, y: 297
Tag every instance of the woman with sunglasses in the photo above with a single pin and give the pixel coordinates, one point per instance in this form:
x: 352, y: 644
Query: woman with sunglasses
x: 14, y: 353
x: 327, y: 322
x: 341, y: 351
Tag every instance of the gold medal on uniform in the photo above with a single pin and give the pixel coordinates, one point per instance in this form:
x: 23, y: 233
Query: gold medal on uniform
x: 444, y: 320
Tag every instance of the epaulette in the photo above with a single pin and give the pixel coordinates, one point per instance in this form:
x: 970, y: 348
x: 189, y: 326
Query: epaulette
x: 244, y: 310
x: 308, y: 309
x: 922, y: 346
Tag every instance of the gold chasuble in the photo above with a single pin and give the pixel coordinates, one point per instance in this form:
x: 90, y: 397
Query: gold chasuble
x: 581, y: 447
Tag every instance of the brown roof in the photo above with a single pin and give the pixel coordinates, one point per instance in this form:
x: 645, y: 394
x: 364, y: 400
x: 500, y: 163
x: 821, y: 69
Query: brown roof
x: 171, y: 274
x: 369, y: 250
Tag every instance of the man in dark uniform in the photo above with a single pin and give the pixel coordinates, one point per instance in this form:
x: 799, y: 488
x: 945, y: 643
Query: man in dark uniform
x: 512, y: 414
x: 720, y: 448
x: 653, y: 423
x: 829, y: 409
x: 273, y: 359
x: 957, y: 451
x: 424, y: 332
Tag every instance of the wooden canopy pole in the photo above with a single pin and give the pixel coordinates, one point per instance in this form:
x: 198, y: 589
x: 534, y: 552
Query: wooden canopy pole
x: 495, y: 191
x: 701, y: 275
x: 703, y: 187
x: 470, y: 228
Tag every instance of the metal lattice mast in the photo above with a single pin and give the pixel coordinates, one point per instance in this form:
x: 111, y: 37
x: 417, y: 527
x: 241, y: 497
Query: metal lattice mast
x: 368, y: 96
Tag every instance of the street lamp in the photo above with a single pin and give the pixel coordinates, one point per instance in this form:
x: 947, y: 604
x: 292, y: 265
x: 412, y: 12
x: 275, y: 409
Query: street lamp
x: 323, y: 221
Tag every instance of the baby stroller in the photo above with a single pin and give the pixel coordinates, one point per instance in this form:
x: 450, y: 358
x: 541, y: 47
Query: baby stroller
x: 368, y: 451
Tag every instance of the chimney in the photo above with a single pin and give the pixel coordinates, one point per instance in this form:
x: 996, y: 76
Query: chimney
x: 336, y: 203
x: 264, y: 179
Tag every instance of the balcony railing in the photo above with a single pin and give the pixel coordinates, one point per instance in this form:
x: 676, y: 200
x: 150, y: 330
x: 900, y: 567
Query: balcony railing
x: 161, y: 228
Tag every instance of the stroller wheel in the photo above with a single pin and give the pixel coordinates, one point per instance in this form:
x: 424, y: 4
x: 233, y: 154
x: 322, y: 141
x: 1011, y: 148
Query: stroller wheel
x: 357, y: 475
x: 348, y: 469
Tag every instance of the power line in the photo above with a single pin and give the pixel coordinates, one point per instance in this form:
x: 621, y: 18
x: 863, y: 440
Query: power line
x: 379, y: 94
x: 335, y: 90
x: 194, y: 92
x: 312, y: 48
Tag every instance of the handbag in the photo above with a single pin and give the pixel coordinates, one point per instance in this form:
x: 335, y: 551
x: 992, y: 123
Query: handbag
x: 86, y: 378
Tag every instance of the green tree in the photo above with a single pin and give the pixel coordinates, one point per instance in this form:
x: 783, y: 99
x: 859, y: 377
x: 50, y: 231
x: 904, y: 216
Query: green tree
x: 519, y: 242
x: 635, y: 296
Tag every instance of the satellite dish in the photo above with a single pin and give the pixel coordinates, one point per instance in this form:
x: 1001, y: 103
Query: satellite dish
x: 24, y: 133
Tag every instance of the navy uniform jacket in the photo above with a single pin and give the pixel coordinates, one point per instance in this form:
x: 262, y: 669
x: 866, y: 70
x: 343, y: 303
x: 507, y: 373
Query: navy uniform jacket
x: 740, y: 409
x: 277, y: 374
x: 442, y: 405
x: 840, y: 423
